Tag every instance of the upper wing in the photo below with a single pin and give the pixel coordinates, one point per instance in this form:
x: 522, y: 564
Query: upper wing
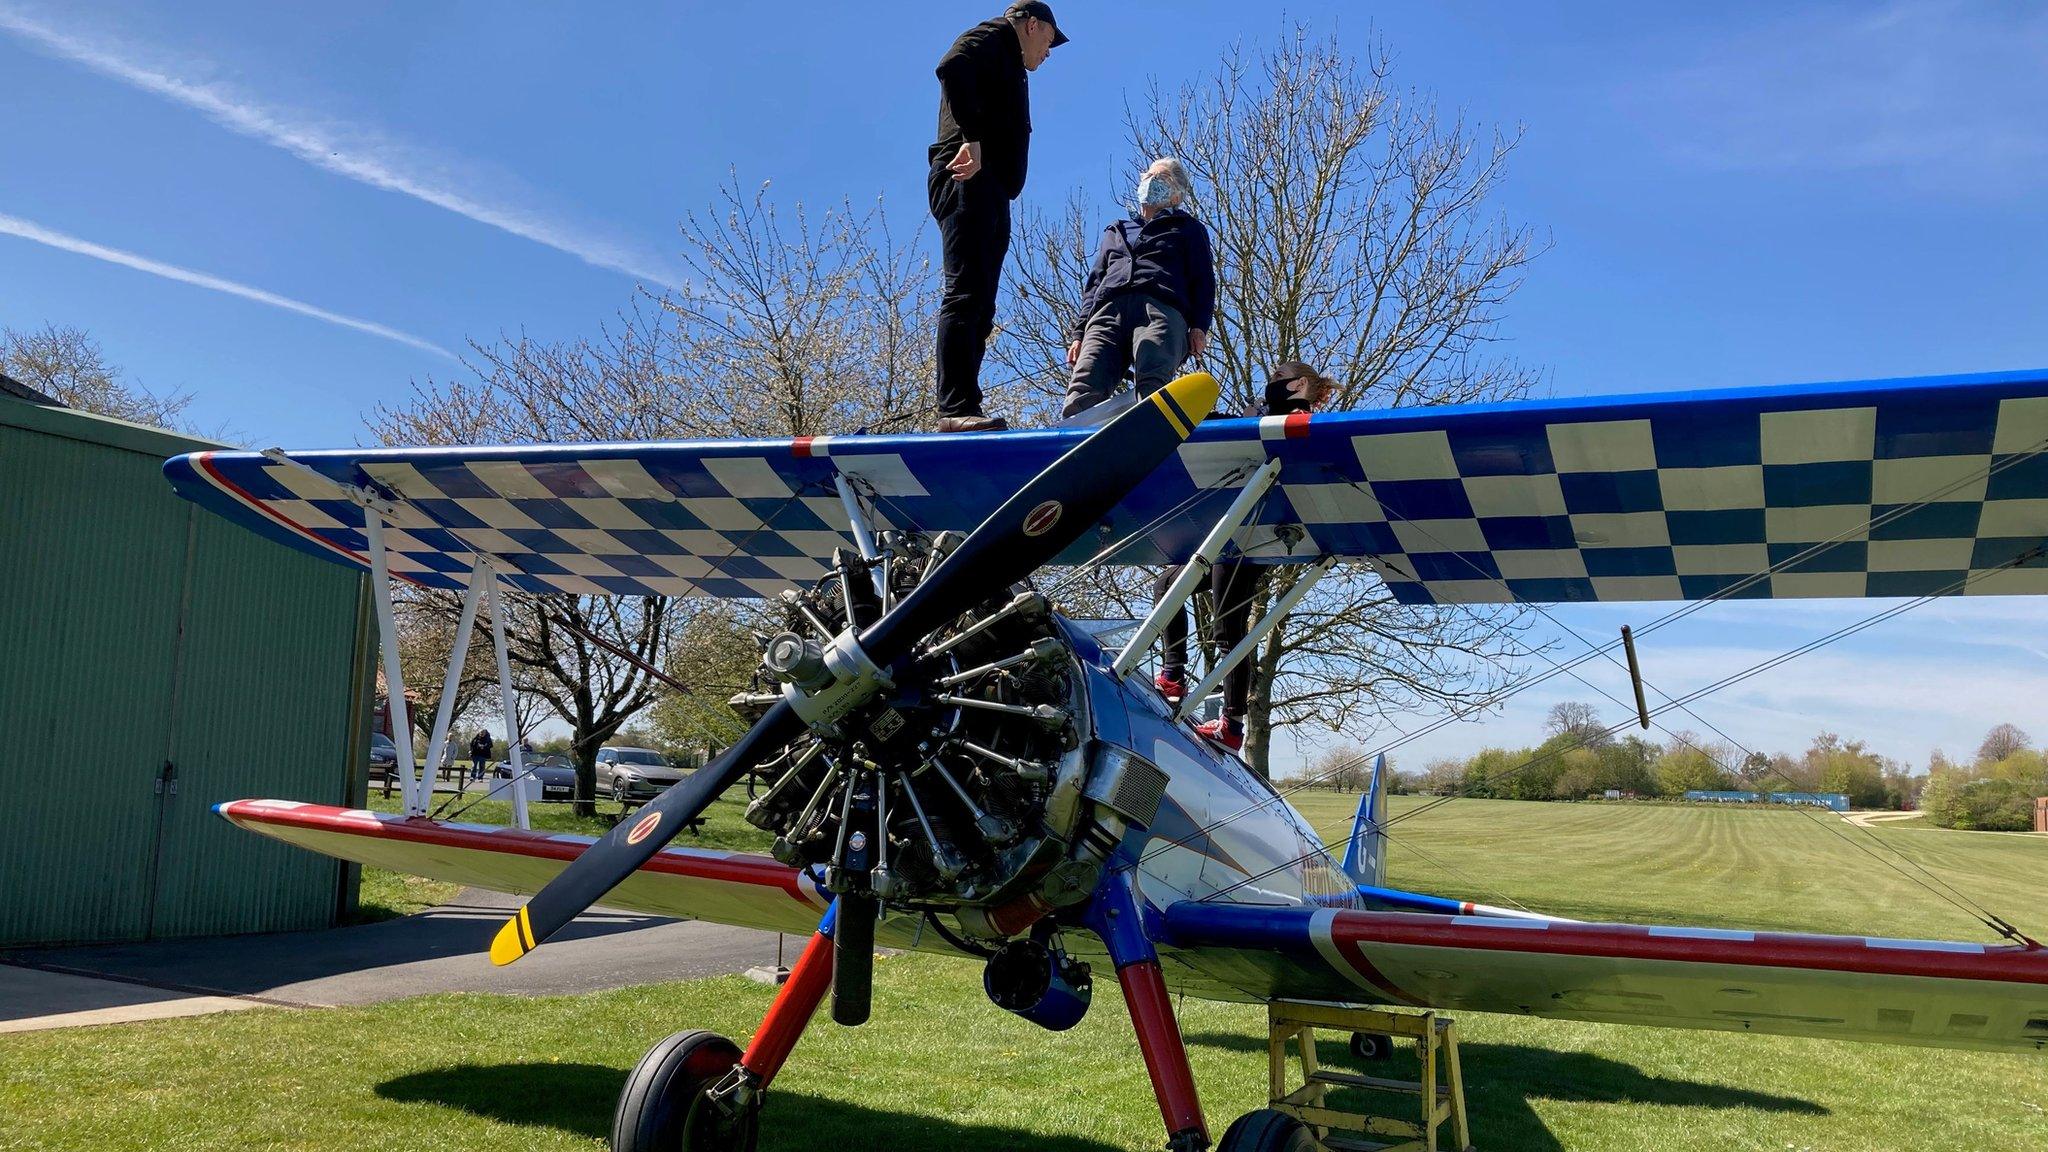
x: 1845, y: 987
x: 1886, y: 488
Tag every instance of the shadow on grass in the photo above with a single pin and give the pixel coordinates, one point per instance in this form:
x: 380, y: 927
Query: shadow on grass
x: 579, y: 1098
x: 1501, y: 1079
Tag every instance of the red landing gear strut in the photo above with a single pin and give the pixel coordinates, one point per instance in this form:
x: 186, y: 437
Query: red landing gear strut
x: 697, y: 1092
x: 793, y: 1008
x: 1115, y: 916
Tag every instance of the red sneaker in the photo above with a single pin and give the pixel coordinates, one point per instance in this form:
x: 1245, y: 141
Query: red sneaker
x: 1171, y: 687
x: 1225, y: 731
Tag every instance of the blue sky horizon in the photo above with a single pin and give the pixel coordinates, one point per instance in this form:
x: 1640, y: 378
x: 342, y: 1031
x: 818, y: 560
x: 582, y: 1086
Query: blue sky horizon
x: 295, y: 217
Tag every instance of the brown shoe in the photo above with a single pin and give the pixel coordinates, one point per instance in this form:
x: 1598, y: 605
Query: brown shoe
x: 973, y: 424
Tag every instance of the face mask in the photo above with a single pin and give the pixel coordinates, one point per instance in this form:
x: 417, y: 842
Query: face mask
x: 1154, y: 192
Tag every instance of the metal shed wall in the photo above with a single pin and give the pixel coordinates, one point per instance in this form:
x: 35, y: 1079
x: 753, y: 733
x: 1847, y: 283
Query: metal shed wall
x: 136, y: 633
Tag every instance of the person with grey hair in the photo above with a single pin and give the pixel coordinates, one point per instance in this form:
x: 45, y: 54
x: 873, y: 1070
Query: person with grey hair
x: 1150, y: 297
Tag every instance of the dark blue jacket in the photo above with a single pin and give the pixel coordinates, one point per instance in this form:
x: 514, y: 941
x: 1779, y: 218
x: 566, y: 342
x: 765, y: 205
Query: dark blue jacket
x: 1167, y: 258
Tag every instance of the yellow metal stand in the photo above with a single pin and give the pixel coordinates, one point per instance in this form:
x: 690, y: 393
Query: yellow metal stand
x: 1436, y: 1043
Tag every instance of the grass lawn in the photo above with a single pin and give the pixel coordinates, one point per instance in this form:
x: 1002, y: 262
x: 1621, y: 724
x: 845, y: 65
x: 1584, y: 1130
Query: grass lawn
x: 939, y: 1069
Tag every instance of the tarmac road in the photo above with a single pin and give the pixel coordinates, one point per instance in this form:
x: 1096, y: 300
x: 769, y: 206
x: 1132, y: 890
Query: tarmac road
x: 440, y: 950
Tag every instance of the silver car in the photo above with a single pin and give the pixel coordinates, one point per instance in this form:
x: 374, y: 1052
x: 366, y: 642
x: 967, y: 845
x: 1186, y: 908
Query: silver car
x: 634, y: 775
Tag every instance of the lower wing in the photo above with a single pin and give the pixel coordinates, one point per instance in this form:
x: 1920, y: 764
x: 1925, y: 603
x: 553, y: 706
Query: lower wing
x: 725, y: 887
x: 1952, y: 995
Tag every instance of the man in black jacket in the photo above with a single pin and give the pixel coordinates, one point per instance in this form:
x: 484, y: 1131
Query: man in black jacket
x: 977, y: 168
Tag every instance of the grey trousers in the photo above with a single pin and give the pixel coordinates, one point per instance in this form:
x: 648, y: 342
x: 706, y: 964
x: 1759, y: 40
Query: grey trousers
x: 1131, y: 331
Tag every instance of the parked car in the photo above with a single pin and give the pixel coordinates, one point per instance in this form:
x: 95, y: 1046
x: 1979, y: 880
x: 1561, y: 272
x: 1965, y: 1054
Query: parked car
x: 383, y: 755
x: 634, y: 775
x: 555, y: 771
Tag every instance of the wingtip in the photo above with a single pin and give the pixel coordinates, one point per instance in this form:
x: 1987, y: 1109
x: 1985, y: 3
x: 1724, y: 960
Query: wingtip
x: 513, y: 939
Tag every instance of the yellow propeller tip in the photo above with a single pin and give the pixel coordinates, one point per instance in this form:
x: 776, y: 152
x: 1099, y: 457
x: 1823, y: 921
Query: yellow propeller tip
x: 514, y: 939
x: 1185, y: 401
x: 1196, y: 393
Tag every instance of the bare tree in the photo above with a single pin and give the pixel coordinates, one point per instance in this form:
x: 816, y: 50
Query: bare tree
x: 791, y: 323
x: 2001, y: 743
x: 69, y: 366
x: 797, y: 324
x: 1578, y: 720
x: 1351, y: 232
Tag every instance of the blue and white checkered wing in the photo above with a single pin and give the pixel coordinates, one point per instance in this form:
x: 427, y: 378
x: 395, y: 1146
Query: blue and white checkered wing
x: 1886, y: 488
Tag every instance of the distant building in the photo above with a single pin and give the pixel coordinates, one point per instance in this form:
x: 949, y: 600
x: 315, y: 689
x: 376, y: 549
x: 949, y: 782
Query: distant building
x: 1832, y: 801
x: 2041, y: 814
x: 1724, y: 797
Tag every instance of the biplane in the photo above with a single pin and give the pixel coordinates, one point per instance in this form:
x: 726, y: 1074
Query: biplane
x: 948, y: 763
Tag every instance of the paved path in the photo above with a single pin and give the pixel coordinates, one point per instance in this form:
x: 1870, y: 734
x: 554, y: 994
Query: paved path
x: 32, y: 999
x: 1867, y: 819
x: 441, y: 950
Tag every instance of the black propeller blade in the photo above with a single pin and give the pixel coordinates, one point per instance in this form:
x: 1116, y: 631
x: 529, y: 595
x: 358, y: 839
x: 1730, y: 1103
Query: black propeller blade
x: 1030, y: 528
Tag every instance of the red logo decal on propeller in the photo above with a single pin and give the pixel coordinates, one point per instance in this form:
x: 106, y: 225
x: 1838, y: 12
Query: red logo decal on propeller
x: 641, y: 830
x: 1040, y: 520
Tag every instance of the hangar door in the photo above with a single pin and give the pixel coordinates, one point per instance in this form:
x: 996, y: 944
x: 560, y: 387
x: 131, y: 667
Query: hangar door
x: 155, y: 661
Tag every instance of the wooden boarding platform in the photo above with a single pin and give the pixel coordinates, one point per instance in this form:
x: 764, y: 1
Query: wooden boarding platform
x: 1436, y: 1044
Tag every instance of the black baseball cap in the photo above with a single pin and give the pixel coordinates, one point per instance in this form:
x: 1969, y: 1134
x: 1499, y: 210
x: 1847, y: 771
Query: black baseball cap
x: 1041, y: 10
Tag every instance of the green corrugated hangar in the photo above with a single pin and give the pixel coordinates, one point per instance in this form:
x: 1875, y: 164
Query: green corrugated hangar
x: 154, y: 661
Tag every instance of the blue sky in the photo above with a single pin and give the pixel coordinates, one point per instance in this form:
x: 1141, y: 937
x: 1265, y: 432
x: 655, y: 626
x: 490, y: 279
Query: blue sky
x: 293, y: 217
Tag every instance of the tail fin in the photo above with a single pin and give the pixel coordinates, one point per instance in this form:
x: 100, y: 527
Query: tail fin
x: 1365, y: 854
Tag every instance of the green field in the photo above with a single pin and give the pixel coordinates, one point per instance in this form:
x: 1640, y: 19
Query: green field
x: 939, y: 1069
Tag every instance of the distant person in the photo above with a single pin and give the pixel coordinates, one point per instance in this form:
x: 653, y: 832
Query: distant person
x: 479, y: 753
x: 977, y: 167
x: 1293, y: 387
x: 1150, y: 297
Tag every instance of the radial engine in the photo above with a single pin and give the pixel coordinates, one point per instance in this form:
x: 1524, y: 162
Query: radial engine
x: 970, y: 785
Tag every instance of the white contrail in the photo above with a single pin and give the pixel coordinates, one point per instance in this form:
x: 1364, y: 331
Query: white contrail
x: 353, y: 151
x: 13, y: 226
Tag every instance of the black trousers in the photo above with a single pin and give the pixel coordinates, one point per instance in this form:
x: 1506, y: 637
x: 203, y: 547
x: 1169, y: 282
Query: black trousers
x: 974, y: 236
x: 1231, y: 584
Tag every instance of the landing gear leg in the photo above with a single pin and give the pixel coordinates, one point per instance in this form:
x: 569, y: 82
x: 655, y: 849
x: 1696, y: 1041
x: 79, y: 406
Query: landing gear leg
x: 1115, y: 917
x: 795, y: 1004
x: 696, y: 1092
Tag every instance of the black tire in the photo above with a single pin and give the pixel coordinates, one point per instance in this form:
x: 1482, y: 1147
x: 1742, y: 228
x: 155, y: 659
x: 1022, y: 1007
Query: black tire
x: 1372, y: 1046
x: 1267, y: 1130
x: 662, y: 1107
x: 618, y: 792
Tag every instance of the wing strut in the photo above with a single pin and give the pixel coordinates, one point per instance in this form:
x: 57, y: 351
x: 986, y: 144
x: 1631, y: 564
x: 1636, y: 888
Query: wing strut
x: 394, y: 676
x: 1303, y: 584
x: 1196, y: 571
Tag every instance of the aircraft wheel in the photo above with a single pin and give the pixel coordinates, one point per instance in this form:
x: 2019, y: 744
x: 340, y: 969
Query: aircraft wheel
x: 1372, y: 1045
x: 662, y: 1107
x: 1267, y: 1130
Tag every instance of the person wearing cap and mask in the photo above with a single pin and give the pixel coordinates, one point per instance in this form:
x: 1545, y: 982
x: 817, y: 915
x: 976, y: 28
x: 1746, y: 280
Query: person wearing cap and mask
x: 1293, y: 387
x: 1150, y: 297
x: 977, y: 167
